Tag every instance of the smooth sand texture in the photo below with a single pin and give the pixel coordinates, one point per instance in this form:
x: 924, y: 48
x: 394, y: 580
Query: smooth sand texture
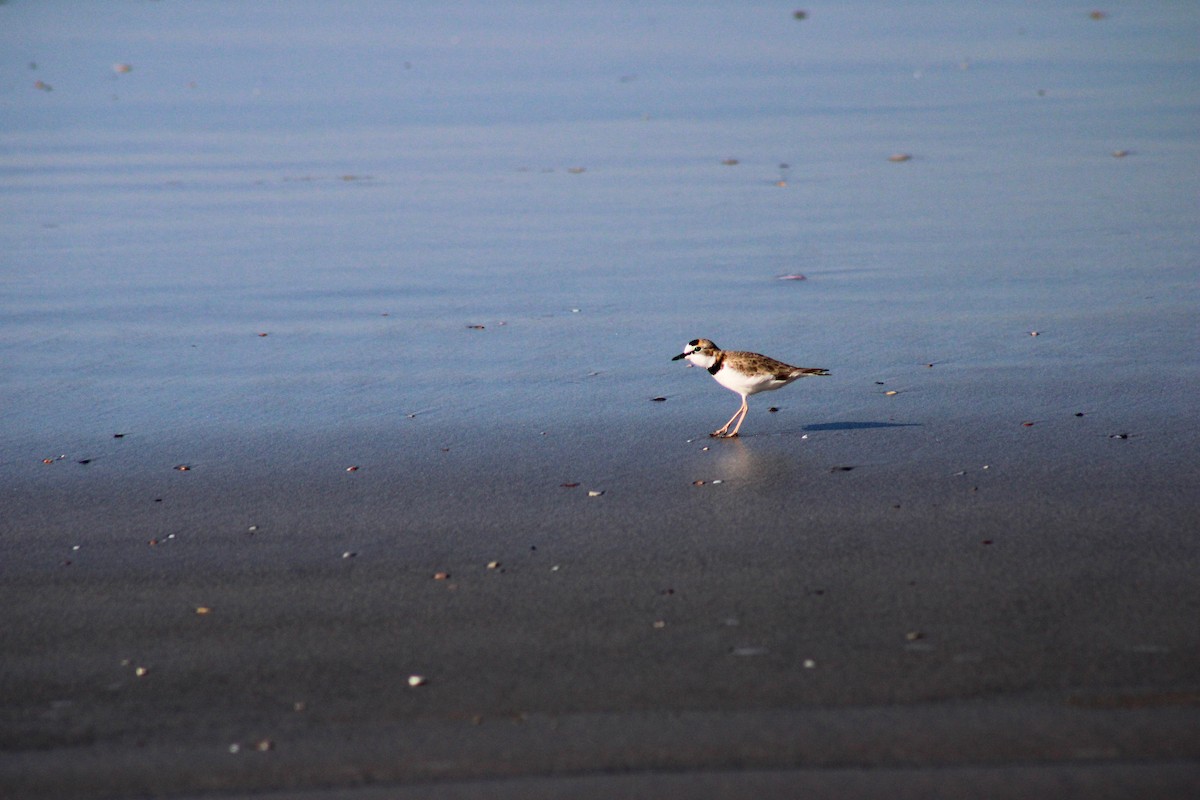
x: 963, y: 564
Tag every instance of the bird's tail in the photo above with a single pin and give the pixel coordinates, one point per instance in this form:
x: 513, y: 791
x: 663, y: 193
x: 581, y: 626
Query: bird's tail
x: 803, y: 372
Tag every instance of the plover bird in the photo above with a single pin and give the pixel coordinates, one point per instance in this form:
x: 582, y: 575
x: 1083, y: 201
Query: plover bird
x: 741, y: 372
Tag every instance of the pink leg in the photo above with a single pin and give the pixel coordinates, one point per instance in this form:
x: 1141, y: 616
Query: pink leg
x: 745, y: 410
x: 742, y: 409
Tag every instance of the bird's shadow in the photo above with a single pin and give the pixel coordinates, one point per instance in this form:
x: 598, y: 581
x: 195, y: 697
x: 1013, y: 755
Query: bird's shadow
x: 857, y: 426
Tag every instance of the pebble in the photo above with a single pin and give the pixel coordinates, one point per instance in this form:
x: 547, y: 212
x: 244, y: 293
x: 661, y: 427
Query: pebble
x: 140, y: 671
x: 417, y: 680
x: 809, y: 664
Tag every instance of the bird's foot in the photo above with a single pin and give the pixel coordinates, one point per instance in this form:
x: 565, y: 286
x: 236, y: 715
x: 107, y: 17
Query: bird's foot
x: 722, y: 435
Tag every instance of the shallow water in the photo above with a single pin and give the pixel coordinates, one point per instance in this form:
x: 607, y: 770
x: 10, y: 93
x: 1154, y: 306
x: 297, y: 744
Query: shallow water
x: 363, y: 187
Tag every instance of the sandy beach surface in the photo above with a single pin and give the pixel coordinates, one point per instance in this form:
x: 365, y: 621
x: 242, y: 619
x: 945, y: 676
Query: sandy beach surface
x: 343, y: 455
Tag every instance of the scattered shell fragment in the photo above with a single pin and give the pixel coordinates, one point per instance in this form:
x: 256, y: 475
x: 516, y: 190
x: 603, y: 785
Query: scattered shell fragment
x: 493, y: 565
x: 1118, y: 436
x: 1097, y: 15
x: 899, y: 157
x: 47, y: 460
x: 749, y: 651
x: 263, y: 334
x: 202, y: 610
x: 252, y: 528
x: 140, y: 671
x: 349, y: 554
x: 891, y: 393
x: 568, y: 485
x: 182, y: 467
x: 353, y: 468
x: 576, y: 170
x: 1035, y: 333
x: 235, y: 748
x: 809, y: 664
x: 417, y: 680
x: 298, y: 706
x: 697, y: 483
x: 441, y: 576
x: 121, y: 69
x: 659, y: 624
x: 476, y: 327
x: 729, y: 162
x: 717, y: 481
x: 594, y: 493
x: 264, y: 745
x: 43, y: 86
x: 913, y: 636
x: 795, y: 276
x: 658, y: 399
x: 1027, y: 424
x: 1120, y: 153
x: 773, y: 410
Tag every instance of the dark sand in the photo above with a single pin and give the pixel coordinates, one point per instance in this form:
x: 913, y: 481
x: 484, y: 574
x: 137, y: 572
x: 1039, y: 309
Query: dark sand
x: 1026, y: 627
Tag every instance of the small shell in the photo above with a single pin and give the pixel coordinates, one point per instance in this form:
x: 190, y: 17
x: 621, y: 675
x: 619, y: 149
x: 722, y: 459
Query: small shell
x: 140, y: 671
x: 594, y: 493
x: 417, y: 680
x: 202, y: 610
x: 898, y: 158
x: 441, y: 576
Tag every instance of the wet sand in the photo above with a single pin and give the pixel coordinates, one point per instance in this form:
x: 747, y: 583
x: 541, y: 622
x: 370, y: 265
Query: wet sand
x: 399, y: 290
x: 1027, y: 620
